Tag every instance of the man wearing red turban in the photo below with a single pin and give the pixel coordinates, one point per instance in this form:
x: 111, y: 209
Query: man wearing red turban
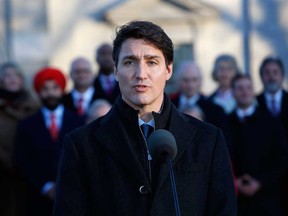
x: 39, y: 140
x: 50, y: 85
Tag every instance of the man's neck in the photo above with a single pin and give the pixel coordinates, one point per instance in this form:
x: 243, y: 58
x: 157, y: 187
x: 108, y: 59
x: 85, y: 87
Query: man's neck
x: 196, y: 95
x: 105, y: 72
x: 273, y: 93
x: 244, y: 106
x: 81, y: 89
x: 146, y: 117
x: 224, y: 89
x: 145, y: 111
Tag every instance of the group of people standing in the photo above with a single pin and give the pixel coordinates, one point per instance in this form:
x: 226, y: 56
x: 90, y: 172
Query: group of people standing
x: 255, y: 127
x: 32, y: 131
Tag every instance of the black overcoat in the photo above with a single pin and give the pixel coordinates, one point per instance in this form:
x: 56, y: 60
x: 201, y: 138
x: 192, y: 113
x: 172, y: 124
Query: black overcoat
x: 104, y: 164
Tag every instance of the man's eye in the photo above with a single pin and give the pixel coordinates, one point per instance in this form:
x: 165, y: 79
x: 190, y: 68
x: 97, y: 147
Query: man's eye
x: 152, y: 62
x: 129, y: 62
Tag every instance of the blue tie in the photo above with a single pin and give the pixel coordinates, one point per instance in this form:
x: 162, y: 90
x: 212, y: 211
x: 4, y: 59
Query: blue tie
x: 147, y: 130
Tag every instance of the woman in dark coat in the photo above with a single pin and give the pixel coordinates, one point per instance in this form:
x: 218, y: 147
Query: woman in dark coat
x: 15, y: 104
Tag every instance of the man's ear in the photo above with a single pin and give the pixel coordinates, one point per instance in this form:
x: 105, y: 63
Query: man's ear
x: 169, y: 71
x: 116, y: 73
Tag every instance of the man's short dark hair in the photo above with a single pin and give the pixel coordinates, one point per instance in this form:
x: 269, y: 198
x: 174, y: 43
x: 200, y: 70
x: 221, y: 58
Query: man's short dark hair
x: 271, y: 59
x: 239, y: 77
x: 149, y: 32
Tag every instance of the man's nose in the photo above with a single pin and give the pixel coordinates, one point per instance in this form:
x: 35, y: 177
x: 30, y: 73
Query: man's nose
x: 141, y: 71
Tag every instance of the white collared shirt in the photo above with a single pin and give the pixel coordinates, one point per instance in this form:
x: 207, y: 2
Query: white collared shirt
x: 225, y: 100
x: 151, y: 122
x: 277, y: 97
x: 86, y: 96
x: 58, y: 112
x: 184, y: 101
x: 242, y: 113
x: 103, y: 80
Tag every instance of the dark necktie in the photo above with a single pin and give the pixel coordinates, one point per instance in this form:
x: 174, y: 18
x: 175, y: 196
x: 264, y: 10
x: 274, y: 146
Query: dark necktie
x: 147, y: 130
x: 109, y: 84
x: 274, y: 108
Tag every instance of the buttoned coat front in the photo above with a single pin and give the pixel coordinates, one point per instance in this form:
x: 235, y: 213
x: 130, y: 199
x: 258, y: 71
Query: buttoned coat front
x: 104, y: 165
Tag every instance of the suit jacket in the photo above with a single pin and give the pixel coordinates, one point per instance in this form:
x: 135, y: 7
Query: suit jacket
x: 37, y: 155
x: 259, y: 149
x: 101, y: 94
x: 69, y: 103
x: 104, y: 165
x: 284, y: 106
x: 214, y: 114
x: 284, y: 119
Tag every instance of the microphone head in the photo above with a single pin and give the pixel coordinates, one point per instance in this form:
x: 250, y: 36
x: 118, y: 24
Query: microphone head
x: 162, y: 144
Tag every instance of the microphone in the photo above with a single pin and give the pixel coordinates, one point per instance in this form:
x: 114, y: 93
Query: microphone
x: 163, y: 148
x: 162, y: 144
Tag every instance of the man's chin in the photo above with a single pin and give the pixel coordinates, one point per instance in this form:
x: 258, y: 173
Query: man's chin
x: 136, y: 101
x: 51, y: 106
x: 272, y: 88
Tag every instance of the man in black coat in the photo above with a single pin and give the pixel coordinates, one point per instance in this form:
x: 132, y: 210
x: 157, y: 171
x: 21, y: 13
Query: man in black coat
x: 105, y: 84
x: 258, y: 153
x: 83, y: 92
x: 189, y: 78
x: 39, y: 141
x: 106, y: 166
x: 274, y: 99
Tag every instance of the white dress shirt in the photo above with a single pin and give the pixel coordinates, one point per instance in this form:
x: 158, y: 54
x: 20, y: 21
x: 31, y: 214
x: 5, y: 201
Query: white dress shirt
x: 277, y: 97
x: 86, y: 96
x: 58, y: 112
x: 151, y: 122
x: 185, y: 101
x: 242, y: 113
x: 225, y: 100
x: 103, y: 81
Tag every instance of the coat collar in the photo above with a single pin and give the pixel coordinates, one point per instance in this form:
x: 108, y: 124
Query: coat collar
x: 184, y: 133
x: 122, y: 123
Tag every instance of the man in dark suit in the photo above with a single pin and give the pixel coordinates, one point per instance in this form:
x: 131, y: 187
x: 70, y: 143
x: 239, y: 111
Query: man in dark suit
x: 83, y: 93
x: 274, y: 99
x: 39, y: 141
x: 258, y: 153
x: 189, y: 79
x: 106, y: 166
x: 105, y: 84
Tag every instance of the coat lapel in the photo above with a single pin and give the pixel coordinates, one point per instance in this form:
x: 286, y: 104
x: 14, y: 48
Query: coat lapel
x: 183, y: 139
x: 284, y: 103
x: 120, y: 147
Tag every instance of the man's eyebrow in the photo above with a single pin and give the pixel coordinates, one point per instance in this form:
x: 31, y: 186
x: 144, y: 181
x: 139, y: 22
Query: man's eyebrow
x: 129, y: 57
x: 133, y: 57
x: 152, y: 57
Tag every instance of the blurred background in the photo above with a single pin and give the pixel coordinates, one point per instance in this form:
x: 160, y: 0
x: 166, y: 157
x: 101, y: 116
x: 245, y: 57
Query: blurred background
x: 36, y: 33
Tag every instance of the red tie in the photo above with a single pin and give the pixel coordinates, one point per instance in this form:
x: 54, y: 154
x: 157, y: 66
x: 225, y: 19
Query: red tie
x: 80, y: 109
x: 53, y: 128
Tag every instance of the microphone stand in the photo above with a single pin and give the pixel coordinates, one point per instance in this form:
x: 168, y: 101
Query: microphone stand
x: 175, y: 196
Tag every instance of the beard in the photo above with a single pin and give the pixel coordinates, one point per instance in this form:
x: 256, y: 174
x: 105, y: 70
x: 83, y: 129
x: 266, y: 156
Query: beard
x: 272, y: 87
x: 107, y: 68
x: 51, y: 103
